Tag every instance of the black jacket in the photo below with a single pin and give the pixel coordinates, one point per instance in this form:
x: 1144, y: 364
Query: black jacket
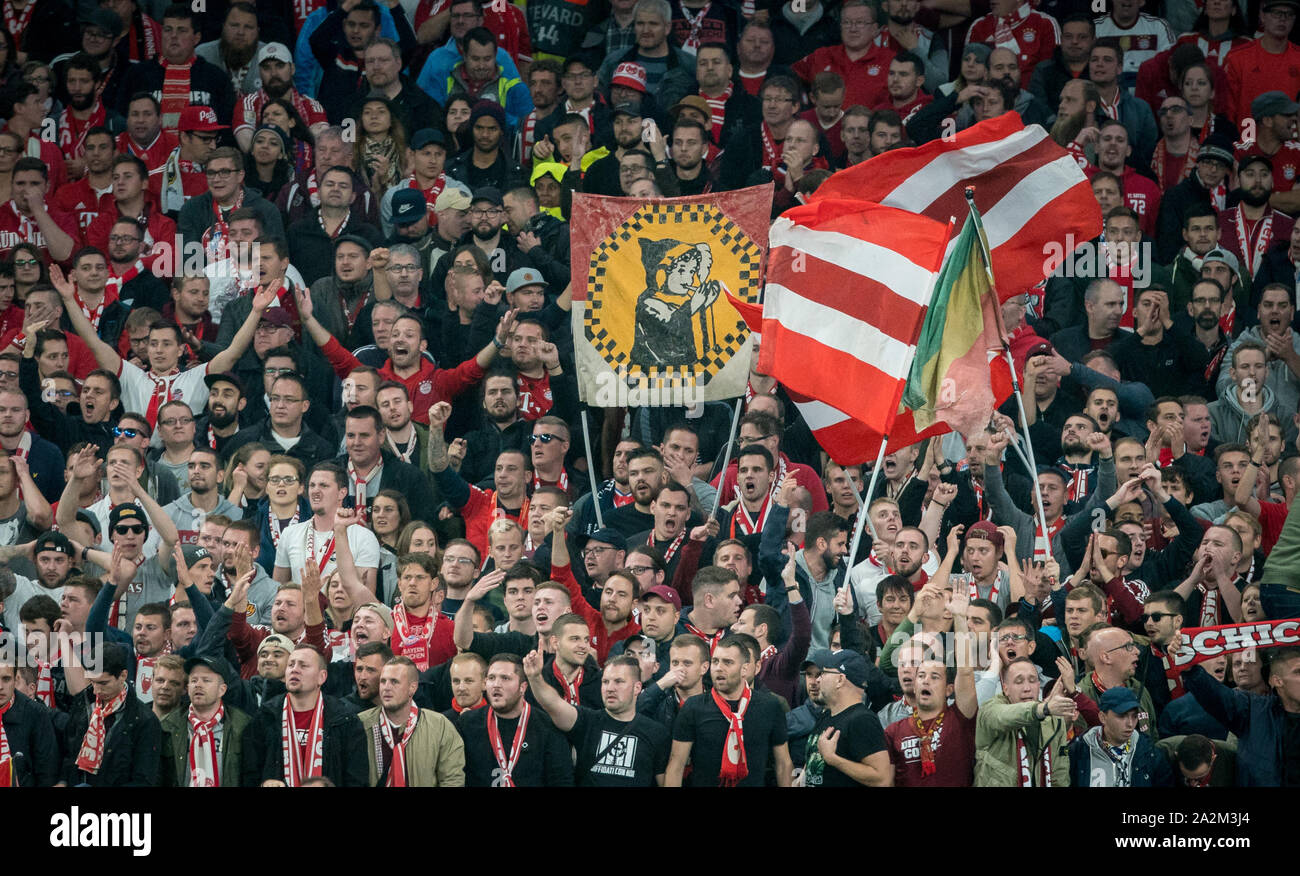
x: 408, y: 480
x: 1174, y: 205
x: 311, y: 448
x: 311, y: 250
x: 792, y: 45
x: 1050, y: 77
x: 209, y: 86
x: 131, y: 747
x: 35, y: 752
x: 343, y: 760
x: 412, y: 107
x: 64, y: 429
x: 51, y: 31
x: 485, y: 444
x: 342, y: 80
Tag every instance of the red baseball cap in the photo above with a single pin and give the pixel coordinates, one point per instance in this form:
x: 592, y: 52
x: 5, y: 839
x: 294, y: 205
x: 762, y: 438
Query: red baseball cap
x: 200, y: 118
x: 666, y: 593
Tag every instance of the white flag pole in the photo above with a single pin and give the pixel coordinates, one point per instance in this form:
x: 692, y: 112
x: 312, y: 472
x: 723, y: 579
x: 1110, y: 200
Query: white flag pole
x: 865, y: 504
x: 591, y: 468
x: 726, y: 458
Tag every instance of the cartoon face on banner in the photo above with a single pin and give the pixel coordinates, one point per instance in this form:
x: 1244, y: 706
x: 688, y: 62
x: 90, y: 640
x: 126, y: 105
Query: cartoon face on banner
x: 657, y: 310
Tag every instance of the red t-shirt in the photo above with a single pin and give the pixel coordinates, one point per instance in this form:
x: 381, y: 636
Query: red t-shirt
x: 423, y: 649
x: 15, y: 229
x: 534, y: 395
x: 301, y: 732
x: 1286, y: 163
x: 1252, y: 71
x: 1271, y: 517
x: 865, y: 80
x: 154, y: 155
x: 79, y: 199
x: 1034, y: 34
x: 953, y: 746
x: 1140, y: 194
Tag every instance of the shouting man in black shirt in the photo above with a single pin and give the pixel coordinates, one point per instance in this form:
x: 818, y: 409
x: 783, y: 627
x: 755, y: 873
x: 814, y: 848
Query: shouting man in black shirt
x: 617, y: 748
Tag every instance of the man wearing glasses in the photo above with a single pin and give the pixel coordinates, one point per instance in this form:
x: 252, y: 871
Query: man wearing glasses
x: 284, y: 431
x: 1114, y: 658
x: 864, y: 65
x: 176, y: 428
x: 132, y: 200
x: 204, y: 219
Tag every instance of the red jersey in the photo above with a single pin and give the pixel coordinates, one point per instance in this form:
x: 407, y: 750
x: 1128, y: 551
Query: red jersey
x: 249, y: 110
x: 427, y: 387
x: 1140, y: 193
x: 1252, y: 70
x: 534, y: 395
x: 481, y: 510
x: 425, y: 649
x: 16, y: 228
x: 953, y: 746
x: 865, y: 80
x: 79, y: 199
x: 806, y: 477
x: 52, y: 155
x: 1286, y: 162
x: 159, y: 227
x: 154, y: 155
x: 1032, y: 35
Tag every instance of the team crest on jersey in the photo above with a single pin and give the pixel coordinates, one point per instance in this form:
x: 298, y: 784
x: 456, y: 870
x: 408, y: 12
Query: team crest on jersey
x: 426, y: 387
x: 1288, y: 172
x: 873, y: 70
x: 177, y: 394
x: 1028, y: 35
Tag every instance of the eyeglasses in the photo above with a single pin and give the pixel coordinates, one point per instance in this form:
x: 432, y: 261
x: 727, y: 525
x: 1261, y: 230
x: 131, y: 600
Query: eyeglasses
x: 1156, y: 616
x: 492, y: 211
x: 9, y: 375
x: 10, y: 150
x: 58, y: 393
x: 284, y: 400
x: 276, y: 372
x: 459, y: 561
x: 544, y: 437
x: 638, y: 570
x: 119, y: 432
x: 26, y: 263
x: 173, y: 422
x: 403, y: 269
x: 129, y: 530
x: 595, y: 551
x: 223, y: 173
x: 282, y: 480
x: 755, y: 439
x: 1012, y: 637
x: 123, y: 238
x: 1127, y: 646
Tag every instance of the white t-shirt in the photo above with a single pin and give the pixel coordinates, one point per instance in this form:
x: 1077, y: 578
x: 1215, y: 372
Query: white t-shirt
x: 291, y: 553
x: 24, y: 590
x: 138, y: 388
x: 865, y: 577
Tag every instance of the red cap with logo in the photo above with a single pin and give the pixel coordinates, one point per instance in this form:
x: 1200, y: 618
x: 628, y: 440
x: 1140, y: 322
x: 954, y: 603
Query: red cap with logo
x: 200, y: 118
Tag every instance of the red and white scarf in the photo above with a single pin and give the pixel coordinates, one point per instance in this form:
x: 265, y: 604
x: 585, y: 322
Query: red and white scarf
x: 1173, y: 674
x: 397, y: 769
x: 1209, y: 606
x: 1027, y: 779
x: 734, y: 768
x: 691, y: 42
x: 275, y: 524
x: 295, y: 771
x: 711, y: 638
x: 175, y: 91
x: 16, y: 24
x: 1004, y: 32
x: 718, y: 111
x: 116, y: 281
x: 72, y: 130
x: 91, y: 755
x: 337, y: 231
x: 7, y: 777
x: 1041, y: 553
x: 993, y: 591
x: 562, y: 483
x: 1161, y: 157
x: 769, y: 652
x: 507, y: 762
x: 407, y: 454
x: 27, y: 229
x: 204, y: 769
x: 313, y: 189
x: 360, y: 497
x: 413, y: 637
x: 162, y: 392
x: 216, y: 238
x: 96, y: 313
x: 432, y: 192
x: 1254, y: 255
x: 671, y: 550
x: 771, y: 148
x: 311, y: 547
x: 568, y: 689
x: 743, y: 521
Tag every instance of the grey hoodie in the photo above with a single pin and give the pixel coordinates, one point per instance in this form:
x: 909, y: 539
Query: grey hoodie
x: 821, y: 604
x: 1104, y: 771
x: 1228, y: 420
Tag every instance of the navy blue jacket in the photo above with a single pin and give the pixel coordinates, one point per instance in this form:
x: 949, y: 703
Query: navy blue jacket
x: 1258, y: 721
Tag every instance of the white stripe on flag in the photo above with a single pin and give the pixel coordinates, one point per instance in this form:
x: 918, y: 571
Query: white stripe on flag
x: 903, y: 276
x: 1018, y: 207
x: 819, y: 415
x: 950, y: 168
x: 837, y: 330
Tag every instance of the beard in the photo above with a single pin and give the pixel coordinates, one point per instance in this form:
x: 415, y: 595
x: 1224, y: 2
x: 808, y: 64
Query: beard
x: 1068, y: 127
x: 1074, y: 447
x: 901, y: 19
x: 81, y: 101
x: 237, y: 58
x: 1255, y: 200
x: 484, y: 235
x: 1206, y: 320
x: 221, y: 420
x: 275, y: 88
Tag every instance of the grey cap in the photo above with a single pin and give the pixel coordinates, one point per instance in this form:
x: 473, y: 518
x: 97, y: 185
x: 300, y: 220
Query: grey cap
x: 1219, y: 254
x: 521, y: 277
x: 1273, y: 103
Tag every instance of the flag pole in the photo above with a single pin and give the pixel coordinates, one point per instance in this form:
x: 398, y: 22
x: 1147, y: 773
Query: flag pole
x: 1042, y: 543
x: 591, y: 468
x: 865, y: 504
x: 726, y: 457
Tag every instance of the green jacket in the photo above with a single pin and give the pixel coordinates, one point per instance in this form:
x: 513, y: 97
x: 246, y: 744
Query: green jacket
x: 1147, y: 713
x: 435, y: 755
x: 240, y: 758
x: 996, y: 763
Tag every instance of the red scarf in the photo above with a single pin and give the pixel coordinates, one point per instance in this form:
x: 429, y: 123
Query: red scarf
x: 73, y: 131
x: 397, y: 769
x: 458, y: 708
x: 413, y: 637
x: 17, y: 24
x: 734, y: 767
x: 718, y: 111
x: 1263, y: 229
x: 116, y: 281
x: 562, y: 483
x: 1161, y: 157
x: 431, y: 193
x: 743, y: 521
x: 506, y: 762
x: 311, y: 547
x: 1027, y: 780
x: 295, y: 771
x: 7, y: 777
x: 162, y: 392
x: 92, y: 745
x: 671, y: 550
x: 926, y: 738
x: 1004, y: 32
x: 215, y: 239
x: 771, y: 148
x: 1052, y: 530
x: 359, y: 495
x: 569, y: 690
x: 1123, y: 275
x: 691, y: 42
x: 711, y: 639
x: 1173, y: 674
x: 770, y: 651
x: 97, y: 312
x: 175, y: 91
x: 337, y: 231
x: 204, y: 769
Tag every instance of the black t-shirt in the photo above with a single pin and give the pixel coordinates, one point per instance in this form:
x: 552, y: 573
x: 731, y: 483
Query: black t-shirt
x: 543, y: 762
x: 701, y: 722
x: 618, y: 754
x: 1291, y: 751
x: 860, y: 737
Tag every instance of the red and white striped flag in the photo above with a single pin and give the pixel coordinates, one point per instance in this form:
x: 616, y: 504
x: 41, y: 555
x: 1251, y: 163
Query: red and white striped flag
x: 1036, y: 204
x: 848, y: 283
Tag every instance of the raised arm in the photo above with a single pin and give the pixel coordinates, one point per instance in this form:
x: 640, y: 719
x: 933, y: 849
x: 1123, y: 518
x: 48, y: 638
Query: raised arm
x: 226, y: 359
x: 964, y: 686
x: 562, y: 714
x: 39, y: 513
x: 343, y: 518
x: 504, y: 329
x: 162, y: 522
x: 85, y: 466
x: 463, y: 631
x: 104, y: 353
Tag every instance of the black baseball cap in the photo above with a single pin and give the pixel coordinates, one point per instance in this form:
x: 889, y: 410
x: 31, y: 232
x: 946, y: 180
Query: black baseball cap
x: 54, y: 541
x: 224, y: 377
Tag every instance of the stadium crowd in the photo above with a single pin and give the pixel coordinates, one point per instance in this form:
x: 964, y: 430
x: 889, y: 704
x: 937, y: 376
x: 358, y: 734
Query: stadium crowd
x: 290, y: 426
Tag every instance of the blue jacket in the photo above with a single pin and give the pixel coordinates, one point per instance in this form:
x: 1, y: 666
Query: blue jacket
x: 1258, y: 721
x: 433, y: 76
x: 1150, y: 769
x: 306, y: 69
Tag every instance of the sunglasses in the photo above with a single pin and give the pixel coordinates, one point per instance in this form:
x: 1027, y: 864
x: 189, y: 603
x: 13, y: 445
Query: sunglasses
x: 1156, y: 616
x: 129, y: 530
x: 119, y: 432
x: 545, y: 438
